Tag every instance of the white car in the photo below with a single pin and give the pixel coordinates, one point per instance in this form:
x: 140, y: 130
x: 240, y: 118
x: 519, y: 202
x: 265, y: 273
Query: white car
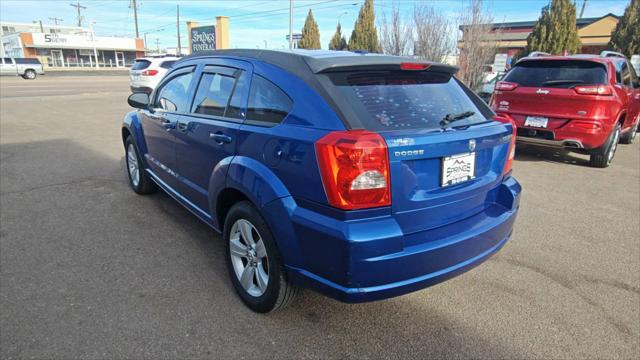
x: 146, y: 73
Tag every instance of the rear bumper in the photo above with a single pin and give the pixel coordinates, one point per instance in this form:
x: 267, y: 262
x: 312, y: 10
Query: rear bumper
x: 143, y: 89
x: 567, y: 144
x: 368, y: 260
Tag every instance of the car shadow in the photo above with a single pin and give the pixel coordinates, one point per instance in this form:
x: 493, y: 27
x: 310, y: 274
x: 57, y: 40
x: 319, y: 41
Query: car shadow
x: 545, y: 154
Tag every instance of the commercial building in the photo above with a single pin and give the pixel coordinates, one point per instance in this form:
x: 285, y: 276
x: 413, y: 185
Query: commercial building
x: 67, y: 46
x: 511, y: 37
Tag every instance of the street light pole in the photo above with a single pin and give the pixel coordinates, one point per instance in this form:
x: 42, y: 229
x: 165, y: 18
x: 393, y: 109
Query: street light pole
x: 93, y: 40
x: 290, y: 24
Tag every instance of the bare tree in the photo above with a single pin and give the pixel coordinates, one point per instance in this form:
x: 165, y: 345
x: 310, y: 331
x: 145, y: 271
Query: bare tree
x: 433, y: 39
x: 395, y: 33
x: 478, y: 45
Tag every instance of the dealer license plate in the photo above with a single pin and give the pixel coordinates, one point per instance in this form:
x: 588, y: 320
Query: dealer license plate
x: 536, y: 121
x: 458, y: 168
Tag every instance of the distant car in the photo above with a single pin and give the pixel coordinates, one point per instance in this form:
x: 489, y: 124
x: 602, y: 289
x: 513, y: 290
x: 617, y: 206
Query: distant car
x: 360, y: 176
x: 28, y: 68
x: 582, y: 103
x: 146, y: 73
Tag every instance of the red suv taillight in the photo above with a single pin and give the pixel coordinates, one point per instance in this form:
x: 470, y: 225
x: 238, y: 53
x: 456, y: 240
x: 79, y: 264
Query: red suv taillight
x: 150, y: 72
x: 593, y: 90
x: 505, y: 86
x: 512, y: 144
x: 354, y: 166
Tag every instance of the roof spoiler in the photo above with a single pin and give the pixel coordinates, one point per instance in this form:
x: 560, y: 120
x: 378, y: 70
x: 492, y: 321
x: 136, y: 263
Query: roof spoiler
x: 373, y: 63
x: 607, y: 53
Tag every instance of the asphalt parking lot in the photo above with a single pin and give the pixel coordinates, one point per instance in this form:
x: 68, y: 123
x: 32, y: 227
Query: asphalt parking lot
x: 88, y: 269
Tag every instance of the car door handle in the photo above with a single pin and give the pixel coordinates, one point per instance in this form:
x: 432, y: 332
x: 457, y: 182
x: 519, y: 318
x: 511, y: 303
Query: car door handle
x: 183, y: 126
x: 220, y: 138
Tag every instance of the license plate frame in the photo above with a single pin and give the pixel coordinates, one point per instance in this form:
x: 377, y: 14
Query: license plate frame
x: 457, y: 169
x: 540, y: 122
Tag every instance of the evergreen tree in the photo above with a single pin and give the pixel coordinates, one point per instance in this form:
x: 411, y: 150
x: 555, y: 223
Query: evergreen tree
x: 338, y: 42
x: 625, y: 38
x: 310, y: 33
x: 364, y: 35
x: 555, y: 32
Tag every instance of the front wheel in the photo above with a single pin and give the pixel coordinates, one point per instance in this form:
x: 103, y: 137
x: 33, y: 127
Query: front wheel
x: 139, y: 180
x: 29, y: 74
x: 254, y: 264
x: 630, y: 136
x: 604, y: 156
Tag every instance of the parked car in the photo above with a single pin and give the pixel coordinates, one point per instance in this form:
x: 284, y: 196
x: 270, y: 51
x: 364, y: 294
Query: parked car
x: 146, y: 73
x: 581, y: 103
x: 360, y: 176
x: 26, y: 67
x: 489, y: 83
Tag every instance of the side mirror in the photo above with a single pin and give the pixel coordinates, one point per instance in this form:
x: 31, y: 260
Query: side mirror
x: 139, y: 100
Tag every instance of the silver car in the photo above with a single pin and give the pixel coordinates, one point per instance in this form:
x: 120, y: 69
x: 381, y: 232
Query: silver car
x: 26, y: 67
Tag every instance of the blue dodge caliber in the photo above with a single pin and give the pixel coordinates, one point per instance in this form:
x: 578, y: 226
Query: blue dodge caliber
x: 360, y: 176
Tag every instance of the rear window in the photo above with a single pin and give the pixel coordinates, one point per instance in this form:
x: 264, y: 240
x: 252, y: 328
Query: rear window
x: 140, y: 64
x: 27, y: 61
x: 405, y: 100
x: 557, y: 73
x: 167, y: 64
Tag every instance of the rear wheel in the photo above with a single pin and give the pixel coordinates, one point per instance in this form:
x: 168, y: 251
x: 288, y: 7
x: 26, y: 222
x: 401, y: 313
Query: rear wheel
x: 29, y: 74
x: 630, y: 136
x: 254, y: 264
x: 604, y: 156
x: 139, y: 180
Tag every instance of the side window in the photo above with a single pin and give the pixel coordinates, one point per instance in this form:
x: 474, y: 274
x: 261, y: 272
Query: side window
x: 212, y: 96
x: 238, y: 99
x: 7, y: 61
x: 626, y: 75
x: 267, y: 102
x: 173, y: 96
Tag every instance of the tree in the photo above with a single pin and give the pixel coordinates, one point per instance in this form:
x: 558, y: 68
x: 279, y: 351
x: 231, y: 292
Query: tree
x: 555, y: 32
x: 476, y: 47
x: 310, y: 33
x: 625, y: 38
x: 395, y: 34
x: 432, y: 28
x: 338, y: 42
x: 364, y: 35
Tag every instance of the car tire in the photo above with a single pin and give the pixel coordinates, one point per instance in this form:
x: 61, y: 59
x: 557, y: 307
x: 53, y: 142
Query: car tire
x: 630, y: 136
x: 29, y: 74
x: 139, y: 180
x: 253, y: 261
x: 604, y: 156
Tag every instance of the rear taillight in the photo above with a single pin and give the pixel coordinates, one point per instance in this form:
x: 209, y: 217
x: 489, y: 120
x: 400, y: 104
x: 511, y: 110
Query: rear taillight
x: 150, y: 72
x: 593, y: 90
x: 512, y: 142
x: 505, y: 86
x: 354, y: 166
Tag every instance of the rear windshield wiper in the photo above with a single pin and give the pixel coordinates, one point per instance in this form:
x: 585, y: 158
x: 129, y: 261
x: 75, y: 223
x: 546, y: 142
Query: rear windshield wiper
x: 562, y: 82
x: 449, y: 118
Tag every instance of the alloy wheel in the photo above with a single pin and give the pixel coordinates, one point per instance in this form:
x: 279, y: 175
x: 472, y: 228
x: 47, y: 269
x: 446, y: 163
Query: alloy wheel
x: 249, y: 257
x: 132, y: 165
x: 614, y: 145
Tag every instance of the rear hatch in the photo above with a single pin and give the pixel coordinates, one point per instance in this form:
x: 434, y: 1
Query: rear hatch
x: 138, y: 67
x: 440, y: 173
x: 544, y: 91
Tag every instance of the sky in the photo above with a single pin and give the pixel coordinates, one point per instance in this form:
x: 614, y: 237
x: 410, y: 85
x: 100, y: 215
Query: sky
x: 256, y: 23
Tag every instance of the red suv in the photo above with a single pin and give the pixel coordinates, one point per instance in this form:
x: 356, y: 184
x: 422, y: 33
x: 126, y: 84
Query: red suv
x: 582, y: 103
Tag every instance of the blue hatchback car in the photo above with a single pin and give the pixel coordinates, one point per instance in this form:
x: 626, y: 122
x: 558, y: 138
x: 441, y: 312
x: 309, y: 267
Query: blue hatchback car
x: 361, y: 176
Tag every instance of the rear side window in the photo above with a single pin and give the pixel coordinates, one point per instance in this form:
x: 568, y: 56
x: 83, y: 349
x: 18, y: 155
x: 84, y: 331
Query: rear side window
x: 27, y: 61
x: 393, y: 100
x: 173, y: 96
x: 140, y: 64
x: 167, y: 64
x: 267, y: 102
x: 213, y: 94
x: 7, y: 60
x: 557, y: 73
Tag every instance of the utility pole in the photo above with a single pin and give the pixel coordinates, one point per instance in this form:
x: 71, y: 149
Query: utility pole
x: 41, y: 27
x: 158, y: 46
x: 79, y: 8
x: 55, y: 20
x: 135, y: 15
x: 178, y: 51
x: 584, y: 5
x: 290, y: 24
